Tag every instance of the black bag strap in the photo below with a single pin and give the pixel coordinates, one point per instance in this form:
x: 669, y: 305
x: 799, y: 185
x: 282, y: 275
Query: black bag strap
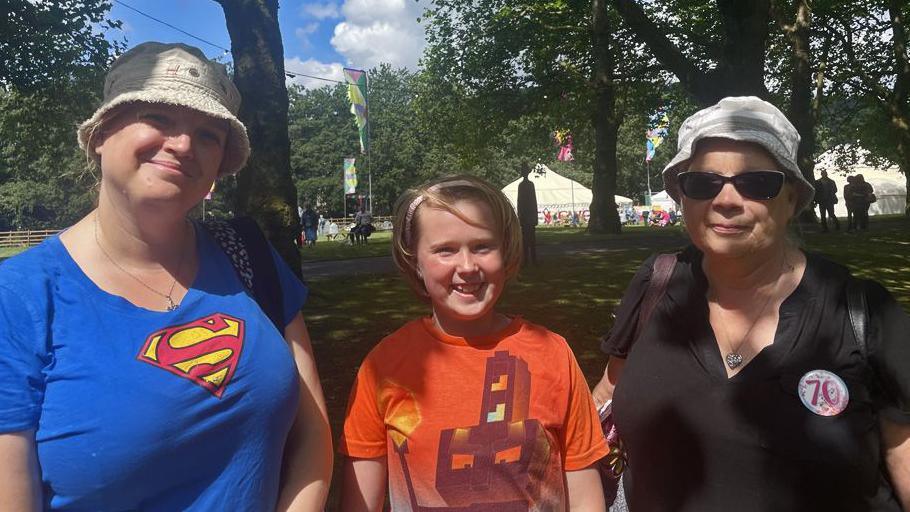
x: 858, y: 311
x: 251, y: 256
x: 661, y: 272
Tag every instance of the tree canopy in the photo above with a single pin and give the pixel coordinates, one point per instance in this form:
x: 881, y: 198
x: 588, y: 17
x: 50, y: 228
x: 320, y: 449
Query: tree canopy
x: 496, y: 80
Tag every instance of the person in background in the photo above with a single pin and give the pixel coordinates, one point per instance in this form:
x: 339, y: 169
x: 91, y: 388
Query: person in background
x: 137, y: 373
x: 527, y: 215
x: 363, y: 226
x: 310, y: 222
x: 747, y: 389
x: 826, y: 198
x: 863, y: 197
x: 850, y: 203
x: 323, y: 223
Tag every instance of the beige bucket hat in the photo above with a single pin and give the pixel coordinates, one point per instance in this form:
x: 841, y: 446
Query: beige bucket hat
x: 747, y: 119
x: 175, y: 74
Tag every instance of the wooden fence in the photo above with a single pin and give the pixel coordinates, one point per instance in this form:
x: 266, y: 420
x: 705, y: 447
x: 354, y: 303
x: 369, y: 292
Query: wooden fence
x: 25, y: 238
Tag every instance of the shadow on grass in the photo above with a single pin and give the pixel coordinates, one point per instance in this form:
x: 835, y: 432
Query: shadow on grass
x: 573, y: 295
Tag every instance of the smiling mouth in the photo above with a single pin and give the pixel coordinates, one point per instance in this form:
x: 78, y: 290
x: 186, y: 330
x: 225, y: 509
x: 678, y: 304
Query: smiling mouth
x: 728, y: 227
x: 468, y: 288
x: 171, y: 166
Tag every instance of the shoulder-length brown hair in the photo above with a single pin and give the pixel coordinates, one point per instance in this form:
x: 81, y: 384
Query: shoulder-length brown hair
x: 443, y: 193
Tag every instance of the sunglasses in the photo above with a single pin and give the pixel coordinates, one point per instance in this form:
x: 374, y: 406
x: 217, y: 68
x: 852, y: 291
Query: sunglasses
x: 755, y: 185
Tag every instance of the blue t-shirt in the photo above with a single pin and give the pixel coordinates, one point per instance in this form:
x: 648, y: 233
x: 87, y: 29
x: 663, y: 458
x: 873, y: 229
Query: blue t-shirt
x: 144, y: 410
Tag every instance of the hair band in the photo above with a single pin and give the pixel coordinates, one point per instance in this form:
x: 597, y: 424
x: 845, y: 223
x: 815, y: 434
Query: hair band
x: 409, y: 216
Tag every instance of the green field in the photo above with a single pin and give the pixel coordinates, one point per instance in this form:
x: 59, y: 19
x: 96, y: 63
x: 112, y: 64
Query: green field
x: 572, y: 294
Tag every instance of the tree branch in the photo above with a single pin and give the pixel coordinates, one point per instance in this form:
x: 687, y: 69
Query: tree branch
x: 869, y: 83
x: 664, y: 49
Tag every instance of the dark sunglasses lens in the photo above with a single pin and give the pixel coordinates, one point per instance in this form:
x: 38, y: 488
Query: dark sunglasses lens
x: 760, y: 185
x: 700, y: 185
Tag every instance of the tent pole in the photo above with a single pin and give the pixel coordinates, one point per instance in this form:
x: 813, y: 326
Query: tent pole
x: 648, y: 171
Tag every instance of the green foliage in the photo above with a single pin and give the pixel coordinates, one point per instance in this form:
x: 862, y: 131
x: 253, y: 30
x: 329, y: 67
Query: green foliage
x: 44, y: 177
x: 44, y: 42
x: 52, y: 60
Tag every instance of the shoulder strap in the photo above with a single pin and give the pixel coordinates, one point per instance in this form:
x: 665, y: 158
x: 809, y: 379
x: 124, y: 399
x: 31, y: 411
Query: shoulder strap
x: 250, y: 254
x: 657, y: 286
x: 858, y: 311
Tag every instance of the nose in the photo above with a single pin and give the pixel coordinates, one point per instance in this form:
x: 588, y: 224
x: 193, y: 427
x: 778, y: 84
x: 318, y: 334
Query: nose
x: 179, y: 142
x: 466, y: 262
x: 728, y: 197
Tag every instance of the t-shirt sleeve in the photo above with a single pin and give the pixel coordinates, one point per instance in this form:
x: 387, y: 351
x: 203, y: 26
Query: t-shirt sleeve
x: 889, y: 352
x: 294, y: 292
x: 364, y: 433
x: 618, y: 340
x: 582, y: 438
x: 22, y: 359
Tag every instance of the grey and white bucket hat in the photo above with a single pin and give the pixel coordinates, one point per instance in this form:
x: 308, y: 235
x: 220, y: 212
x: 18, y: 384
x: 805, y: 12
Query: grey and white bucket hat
x: 180, y: 75
x: 747, y: 119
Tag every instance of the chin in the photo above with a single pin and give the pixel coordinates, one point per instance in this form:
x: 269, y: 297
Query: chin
x: 726, y: 248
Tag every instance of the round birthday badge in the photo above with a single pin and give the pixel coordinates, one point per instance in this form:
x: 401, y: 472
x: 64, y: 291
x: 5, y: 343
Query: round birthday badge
x: 823, y: 393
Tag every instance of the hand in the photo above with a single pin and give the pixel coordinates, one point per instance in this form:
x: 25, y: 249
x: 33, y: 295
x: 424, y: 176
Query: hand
x: 602, y: 392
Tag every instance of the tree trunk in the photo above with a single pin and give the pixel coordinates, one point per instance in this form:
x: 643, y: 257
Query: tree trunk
x: 900, y: 100
x: 740, y: 70
x: 265, y: 190
x: 801, y: 112
x: 604, y: 217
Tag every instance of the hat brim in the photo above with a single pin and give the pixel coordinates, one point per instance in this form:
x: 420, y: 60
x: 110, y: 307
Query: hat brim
x: 237, y: 147
x: 805, y: 190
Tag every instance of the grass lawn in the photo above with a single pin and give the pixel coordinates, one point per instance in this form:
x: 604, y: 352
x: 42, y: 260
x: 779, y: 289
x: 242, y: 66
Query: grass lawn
x: 6, y: 252
x: 380, y: 243
x: 573, y: 295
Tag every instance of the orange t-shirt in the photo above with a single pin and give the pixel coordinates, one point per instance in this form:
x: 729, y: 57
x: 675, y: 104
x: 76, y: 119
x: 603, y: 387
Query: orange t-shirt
x: 488, y: 422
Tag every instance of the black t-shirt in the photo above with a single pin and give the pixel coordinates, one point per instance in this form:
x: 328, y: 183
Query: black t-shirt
x: 699, y: 441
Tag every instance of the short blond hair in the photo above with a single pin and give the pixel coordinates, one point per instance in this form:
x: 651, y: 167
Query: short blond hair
x: 443, y: 193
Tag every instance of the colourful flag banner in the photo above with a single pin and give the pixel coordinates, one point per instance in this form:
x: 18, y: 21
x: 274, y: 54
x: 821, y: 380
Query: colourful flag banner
x: 656, y: 135
x: 211, y: 191
x: 563, y: 139
x: 357, y: 93
x: 350, y: 176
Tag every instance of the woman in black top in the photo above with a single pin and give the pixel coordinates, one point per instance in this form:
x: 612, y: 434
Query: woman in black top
x: 747, y: 389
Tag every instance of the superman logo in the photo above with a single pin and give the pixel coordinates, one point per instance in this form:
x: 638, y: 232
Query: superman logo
x: 205, y: 351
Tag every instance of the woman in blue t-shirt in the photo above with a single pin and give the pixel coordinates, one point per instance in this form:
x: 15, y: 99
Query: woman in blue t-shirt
x: 137, y: 371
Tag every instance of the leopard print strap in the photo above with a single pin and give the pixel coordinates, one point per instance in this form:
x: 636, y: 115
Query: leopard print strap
x: 232, y: 245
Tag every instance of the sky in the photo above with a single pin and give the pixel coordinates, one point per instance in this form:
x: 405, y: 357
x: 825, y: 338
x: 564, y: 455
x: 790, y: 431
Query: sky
x: 320, y: 37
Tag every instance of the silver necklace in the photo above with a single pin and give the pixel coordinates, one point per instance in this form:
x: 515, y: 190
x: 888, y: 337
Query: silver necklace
x: 734, y: 358
x: 171, y: 305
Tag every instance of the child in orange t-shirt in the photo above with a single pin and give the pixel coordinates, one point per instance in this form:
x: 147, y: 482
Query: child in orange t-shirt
x: 468, y: 408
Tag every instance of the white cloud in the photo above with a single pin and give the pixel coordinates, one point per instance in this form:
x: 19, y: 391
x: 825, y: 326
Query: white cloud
x: 376, y: 31
x: 303, y: 33
x: 320, y: 11
x: 307, y: 29
x: 313, y: 67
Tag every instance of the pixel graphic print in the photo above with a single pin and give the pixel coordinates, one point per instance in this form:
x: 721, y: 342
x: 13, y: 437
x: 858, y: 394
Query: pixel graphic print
x: 504, y: 462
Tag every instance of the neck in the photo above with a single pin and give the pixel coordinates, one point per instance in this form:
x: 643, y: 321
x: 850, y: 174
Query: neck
x: 141, y: 236
x: 747, y: 273
x: 484, y: 326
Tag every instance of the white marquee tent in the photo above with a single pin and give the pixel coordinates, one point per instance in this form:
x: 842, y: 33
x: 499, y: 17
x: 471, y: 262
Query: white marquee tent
x: 557, y: 194
x: 663, y: 200
x: 889, y: 184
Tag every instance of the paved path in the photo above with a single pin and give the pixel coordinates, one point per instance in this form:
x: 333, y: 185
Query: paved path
x: 385, y: 265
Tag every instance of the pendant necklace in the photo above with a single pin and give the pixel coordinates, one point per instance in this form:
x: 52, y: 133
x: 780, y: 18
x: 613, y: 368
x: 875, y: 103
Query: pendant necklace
x: 734, y: 358
x: 171, y: 305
